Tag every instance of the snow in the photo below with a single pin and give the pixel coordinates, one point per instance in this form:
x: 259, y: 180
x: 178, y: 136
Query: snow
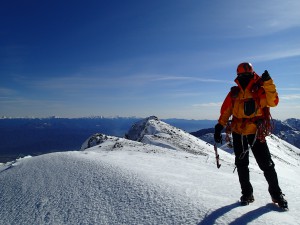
x: 121, y: 181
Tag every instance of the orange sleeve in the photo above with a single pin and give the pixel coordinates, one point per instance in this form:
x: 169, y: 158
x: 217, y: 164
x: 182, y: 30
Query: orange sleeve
x: 226, y: 110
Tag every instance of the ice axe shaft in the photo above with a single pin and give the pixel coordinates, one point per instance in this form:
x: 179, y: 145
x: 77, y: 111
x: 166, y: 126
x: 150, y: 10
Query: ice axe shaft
x: 217, y: 155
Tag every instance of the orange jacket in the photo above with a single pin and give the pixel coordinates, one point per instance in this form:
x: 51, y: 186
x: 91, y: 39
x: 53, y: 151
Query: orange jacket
x: 243, y: 122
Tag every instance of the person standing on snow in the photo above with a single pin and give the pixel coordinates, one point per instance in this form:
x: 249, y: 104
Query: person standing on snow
x: 248, y: 104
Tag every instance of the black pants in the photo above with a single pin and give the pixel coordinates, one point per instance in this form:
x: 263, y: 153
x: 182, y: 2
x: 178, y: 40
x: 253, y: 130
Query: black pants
x: 263, y: 158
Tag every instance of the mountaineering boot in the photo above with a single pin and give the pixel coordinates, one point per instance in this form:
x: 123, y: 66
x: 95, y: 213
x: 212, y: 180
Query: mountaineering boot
x: 281, y: 201
x: 246, y: 199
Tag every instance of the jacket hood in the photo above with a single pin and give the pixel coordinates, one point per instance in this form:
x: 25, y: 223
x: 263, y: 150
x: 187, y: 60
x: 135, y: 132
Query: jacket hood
x: 252, y: 81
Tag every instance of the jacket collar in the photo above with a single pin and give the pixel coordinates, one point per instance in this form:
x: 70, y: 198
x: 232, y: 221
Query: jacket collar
x: 250, y: 84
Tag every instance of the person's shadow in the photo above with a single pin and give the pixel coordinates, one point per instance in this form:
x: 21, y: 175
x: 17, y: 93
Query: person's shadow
x: 211, y: 218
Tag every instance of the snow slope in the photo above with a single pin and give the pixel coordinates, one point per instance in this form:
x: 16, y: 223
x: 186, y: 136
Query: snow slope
x: 121, y: 181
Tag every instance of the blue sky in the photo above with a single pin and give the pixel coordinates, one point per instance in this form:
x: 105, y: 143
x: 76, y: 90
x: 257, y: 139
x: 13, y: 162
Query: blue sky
x: 172, y: 59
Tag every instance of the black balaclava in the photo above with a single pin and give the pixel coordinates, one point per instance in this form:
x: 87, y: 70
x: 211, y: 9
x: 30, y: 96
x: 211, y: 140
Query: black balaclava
x: 244, y: 80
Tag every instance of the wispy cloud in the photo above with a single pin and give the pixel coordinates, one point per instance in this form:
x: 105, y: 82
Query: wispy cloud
x: 265, y: 18
x: 7, y: 91
x: 75, y: 82
x: 277, y: 54
x: 290, y: 97
x: 79, y: 82
x: 191, y: 79
x: 30, y: 102
x: 210, y: 104
x: 289, y: 89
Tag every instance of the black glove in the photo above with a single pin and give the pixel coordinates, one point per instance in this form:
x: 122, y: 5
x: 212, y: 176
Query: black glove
x: 217, y: 135
x: 265, y: 76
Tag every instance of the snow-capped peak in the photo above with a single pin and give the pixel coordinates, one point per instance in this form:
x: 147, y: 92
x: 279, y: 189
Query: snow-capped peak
x: 156, y: 132
x: 141, y: 128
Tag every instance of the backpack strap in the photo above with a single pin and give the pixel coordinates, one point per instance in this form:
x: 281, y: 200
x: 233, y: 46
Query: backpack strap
x: 234, y: 92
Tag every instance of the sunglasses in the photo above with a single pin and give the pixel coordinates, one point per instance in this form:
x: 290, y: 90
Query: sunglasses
x: 245, y: 74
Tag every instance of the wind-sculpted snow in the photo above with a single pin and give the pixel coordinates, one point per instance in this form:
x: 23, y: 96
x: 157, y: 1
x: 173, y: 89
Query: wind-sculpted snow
x: 80, y: 188
x: 121, y: 181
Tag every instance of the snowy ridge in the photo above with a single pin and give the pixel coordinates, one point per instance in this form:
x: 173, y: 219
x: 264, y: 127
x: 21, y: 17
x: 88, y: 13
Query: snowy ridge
x: 153, y: 131
x: 283, y: 151
x: 289, y: 130
x: 121, y: 181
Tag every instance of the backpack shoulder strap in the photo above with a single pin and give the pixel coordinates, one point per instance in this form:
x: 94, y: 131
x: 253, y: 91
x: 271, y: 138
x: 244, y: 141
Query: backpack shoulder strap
x: 234, y: 92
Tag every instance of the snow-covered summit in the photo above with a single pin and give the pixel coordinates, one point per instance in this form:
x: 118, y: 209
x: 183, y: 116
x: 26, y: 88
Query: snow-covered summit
x: 154, y: 181
x: 143, y: 127
x: 156, y: 132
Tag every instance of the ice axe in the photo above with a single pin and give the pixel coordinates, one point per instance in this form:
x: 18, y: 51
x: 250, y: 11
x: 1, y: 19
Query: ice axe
x: 217, y: 155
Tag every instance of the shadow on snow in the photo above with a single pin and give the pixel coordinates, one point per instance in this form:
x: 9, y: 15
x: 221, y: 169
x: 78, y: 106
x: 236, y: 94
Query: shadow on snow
x: 211, y: 218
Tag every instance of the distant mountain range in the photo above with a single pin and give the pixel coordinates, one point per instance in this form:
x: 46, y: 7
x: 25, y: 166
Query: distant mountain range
x: 288, y: 130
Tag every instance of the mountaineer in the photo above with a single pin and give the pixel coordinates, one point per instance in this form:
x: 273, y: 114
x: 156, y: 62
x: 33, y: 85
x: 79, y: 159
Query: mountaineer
x: 249, y: 105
